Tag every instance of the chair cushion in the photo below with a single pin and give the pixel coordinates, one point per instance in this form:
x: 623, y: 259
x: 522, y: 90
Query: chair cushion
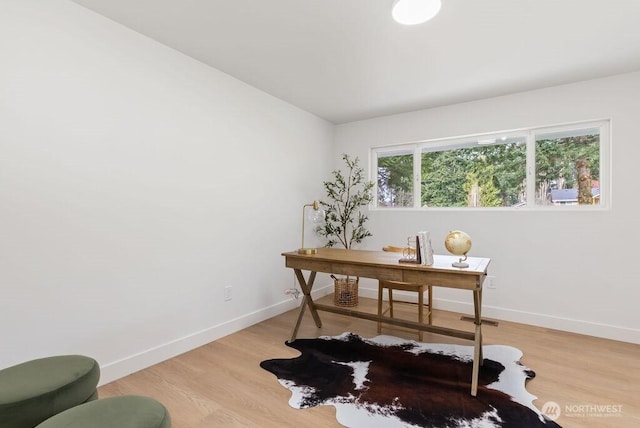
x: 126, y: 411
x: 38, y: 389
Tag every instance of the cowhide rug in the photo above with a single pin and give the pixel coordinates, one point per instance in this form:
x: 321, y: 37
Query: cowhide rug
x: 390, y: 382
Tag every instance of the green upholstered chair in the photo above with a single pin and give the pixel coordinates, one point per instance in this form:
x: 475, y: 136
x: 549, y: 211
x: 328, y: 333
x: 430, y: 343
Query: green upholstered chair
x: 34, y: 391
x: 126, y: 411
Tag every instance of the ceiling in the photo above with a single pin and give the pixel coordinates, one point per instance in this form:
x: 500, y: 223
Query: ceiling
x: 347, y: 60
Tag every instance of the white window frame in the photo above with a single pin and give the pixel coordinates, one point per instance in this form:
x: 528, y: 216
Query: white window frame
x: 529, y: 134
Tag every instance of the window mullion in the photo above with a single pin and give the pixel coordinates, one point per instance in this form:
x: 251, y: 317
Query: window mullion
x: 531, y: 170
x: 417, y: 177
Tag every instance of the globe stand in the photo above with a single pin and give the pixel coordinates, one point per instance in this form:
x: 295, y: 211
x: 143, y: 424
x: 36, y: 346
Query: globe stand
x: 461, y: 263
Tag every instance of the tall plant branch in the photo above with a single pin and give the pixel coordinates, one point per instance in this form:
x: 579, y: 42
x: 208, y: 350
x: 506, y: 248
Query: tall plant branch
x: 345, y: 198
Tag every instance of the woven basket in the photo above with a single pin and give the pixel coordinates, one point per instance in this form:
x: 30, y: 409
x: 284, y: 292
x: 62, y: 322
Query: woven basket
x: 346, y: 292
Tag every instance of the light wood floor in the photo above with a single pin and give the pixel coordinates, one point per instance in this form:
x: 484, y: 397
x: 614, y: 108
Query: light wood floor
x: 222, y: 385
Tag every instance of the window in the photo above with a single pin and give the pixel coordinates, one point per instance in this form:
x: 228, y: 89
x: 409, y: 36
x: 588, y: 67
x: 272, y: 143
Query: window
x: 540, y: 167
x: 568, y: 167
x: 482, y: 173
x: 395, y: 178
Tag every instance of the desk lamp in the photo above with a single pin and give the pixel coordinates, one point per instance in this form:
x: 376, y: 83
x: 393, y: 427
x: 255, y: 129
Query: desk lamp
x: 318, y: 214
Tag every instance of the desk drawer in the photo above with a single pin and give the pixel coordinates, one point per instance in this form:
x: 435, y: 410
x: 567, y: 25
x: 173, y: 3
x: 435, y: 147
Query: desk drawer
x: 309, y: 264
x: 367, y: 272
x: 444, y: 279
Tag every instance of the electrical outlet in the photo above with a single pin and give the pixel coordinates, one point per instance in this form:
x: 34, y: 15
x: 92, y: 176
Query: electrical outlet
x: 227, y: 293
x: 490, y: 282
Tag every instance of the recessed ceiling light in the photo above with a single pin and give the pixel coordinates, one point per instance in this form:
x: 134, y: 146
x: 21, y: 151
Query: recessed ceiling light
x: 412, y: 12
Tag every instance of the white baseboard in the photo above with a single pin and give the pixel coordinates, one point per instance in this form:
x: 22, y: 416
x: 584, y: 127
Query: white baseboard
x: 118, y: 369
x: 605, y: 331
x: 121, y: 368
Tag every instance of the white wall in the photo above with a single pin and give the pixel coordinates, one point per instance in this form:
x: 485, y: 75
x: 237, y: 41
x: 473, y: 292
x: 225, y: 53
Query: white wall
x: 135, y: 183
x: 564, y: 270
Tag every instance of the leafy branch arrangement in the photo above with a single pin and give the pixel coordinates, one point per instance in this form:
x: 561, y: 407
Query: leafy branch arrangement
x: 346, y: 195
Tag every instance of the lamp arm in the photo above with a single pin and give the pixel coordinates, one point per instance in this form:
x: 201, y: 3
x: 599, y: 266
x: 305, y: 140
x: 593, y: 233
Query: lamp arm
x: 303, y: 207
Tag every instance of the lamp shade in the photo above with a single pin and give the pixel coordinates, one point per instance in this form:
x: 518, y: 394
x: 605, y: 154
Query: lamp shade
x: 412, y: 12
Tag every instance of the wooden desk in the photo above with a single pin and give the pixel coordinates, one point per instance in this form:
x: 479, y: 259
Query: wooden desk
x: 385, y: 266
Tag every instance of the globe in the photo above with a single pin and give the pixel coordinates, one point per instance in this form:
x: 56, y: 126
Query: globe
x: 458, y: 243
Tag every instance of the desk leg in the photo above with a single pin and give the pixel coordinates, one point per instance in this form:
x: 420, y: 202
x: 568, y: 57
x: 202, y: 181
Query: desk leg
x: 306, y: 301
x: 477, y: 343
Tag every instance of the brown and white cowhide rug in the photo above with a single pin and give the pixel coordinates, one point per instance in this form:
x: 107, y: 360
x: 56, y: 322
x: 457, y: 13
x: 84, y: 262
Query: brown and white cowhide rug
x: 390, y: 382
